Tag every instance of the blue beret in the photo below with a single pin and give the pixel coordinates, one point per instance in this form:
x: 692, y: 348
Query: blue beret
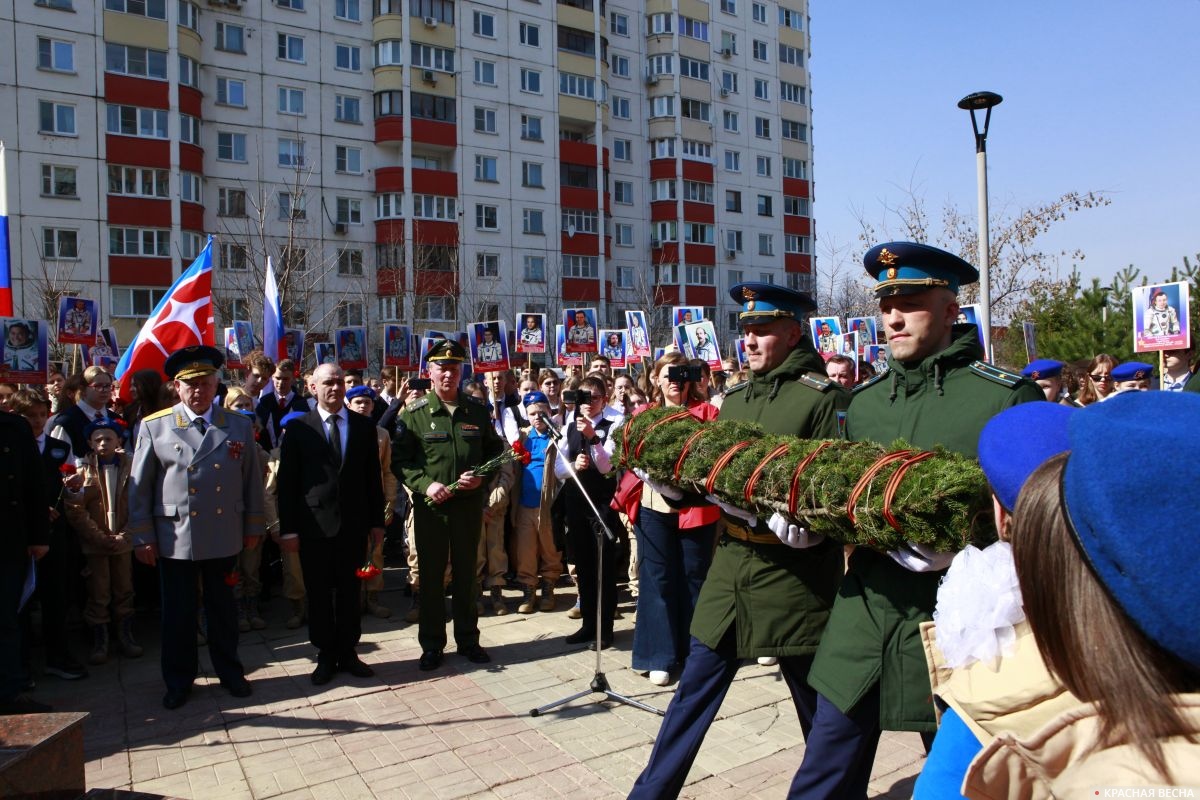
x: 104, y: 425
x: 193, y: 362
x: 1017, y: 441
x: 908, y: 268
x: 288, y: 417
x: 1132, y: 371
x: 248, y: 414
x: 360, y: 391
x: 535, y: 397
x: 1043, y: 368
x: 763, y: 302
x: 1140, y: 550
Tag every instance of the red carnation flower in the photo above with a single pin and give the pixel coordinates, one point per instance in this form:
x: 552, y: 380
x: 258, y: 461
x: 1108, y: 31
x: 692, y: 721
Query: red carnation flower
x: 231, y: 578
x: 367, y: 571
x: 67, y: 469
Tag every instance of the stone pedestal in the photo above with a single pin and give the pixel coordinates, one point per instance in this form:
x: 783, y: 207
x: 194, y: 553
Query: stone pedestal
x: 41, y: 756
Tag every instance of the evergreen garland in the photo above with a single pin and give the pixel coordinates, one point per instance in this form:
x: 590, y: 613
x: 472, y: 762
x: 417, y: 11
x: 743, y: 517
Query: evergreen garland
x: 941, y: 500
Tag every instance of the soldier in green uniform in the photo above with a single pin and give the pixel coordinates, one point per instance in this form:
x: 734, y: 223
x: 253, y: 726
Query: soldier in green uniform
x: 870, y: 669
x: 771, y: 585
x: 439, y: 439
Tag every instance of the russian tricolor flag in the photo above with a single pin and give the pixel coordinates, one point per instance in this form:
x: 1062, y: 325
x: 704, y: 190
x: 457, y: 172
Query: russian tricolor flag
x: 6, y: 295
x: 273, y: 338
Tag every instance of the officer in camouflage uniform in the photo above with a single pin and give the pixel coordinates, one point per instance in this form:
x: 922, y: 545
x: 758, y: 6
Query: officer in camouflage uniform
x: 870, y: 670
x: 771, y: 585
x: 439, y: 439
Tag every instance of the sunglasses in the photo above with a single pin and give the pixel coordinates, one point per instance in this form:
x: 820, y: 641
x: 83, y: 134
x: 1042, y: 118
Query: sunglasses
x: 1099, y: 378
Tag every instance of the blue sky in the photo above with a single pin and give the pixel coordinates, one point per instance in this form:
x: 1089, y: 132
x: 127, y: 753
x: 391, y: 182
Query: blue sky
x: 1097, y: 96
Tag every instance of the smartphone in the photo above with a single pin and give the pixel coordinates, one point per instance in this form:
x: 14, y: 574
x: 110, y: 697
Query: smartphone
x: 417, y: 384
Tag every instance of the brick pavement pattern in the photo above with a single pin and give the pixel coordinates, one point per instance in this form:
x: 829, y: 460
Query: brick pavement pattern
x: 461, y: 732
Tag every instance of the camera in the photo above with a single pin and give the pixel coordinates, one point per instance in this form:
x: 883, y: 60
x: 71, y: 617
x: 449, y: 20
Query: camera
x: 418, y: 384
x: 684, y: 373
x: 579, y: 397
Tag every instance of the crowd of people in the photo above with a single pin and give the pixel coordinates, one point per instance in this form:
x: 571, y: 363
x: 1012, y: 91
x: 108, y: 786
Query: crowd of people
x: 510, y: 481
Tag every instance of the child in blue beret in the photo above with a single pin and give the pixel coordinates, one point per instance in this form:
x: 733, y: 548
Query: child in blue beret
x: 1110, y: 591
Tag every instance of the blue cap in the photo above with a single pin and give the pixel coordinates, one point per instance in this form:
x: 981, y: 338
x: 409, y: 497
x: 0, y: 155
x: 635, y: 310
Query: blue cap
x: 193, y: 362
x: 1138, y: 549
x: 535, y: 397
x: 288, y: 417
x: 248, y: 414
x: 1017, y: 441
x: 1043, y: 368
x: 360, y: 391
x: 1132, y: 371
x: 908, y: 268
x: 763, y: 302
x: 106, y: 424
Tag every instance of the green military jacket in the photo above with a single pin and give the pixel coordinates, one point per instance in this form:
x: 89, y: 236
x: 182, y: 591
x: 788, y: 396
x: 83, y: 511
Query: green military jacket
x: 777, y: 598
x: 873, y: 634
x: 432, y: 445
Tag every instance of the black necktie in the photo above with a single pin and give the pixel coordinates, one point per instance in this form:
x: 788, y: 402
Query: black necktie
x: 335, y: 438
x: 202, y: 425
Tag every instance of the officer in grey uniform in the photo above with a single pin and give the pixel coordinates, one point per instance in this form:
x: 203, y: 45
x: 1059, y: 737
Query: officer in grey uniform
x: 195, y: 500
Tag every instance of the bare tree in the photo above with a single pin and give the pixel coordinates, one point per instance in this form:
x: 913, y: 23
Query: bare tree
x: 54, y: 280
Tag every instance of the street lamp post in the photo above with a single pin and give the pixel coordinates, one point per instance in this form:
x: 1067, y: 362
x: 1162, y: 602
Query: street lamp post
x: 983, y: 101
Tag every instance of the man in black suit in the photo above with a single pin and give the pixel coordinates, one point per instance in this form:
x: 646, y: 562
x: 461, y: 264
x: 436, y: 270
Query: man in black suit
x: 272, y: 408
x: 330, y: 498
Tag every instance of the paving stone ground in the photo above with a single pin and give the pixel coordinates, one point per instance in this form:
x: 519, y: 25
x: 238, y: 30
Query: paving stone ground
x: 464, y: 731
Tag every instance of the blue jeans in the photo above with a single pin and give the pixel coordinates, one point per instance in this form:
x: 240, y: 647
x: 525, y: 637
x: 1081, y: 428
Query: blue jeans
x: 672, y: 565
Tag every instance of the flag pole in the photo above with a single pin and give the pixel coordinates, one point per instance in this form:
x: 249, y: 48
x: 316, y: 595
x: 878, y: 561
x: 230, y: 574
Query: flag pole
x: 6, y: 296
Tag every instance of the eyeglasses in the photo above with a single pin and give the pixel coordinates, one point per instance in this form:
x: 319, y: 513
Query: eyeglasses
x: 1099, y: 378
x: 100, y: 387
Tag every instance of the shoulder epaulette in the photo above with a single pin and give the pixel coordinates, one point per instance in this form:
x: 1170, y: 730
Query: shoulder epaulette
x: 163, y: 412
x: 814, y: 380
x: 871, y: 382
x: 736, y: 388
x: 996, y: 374
x: 419, y: 403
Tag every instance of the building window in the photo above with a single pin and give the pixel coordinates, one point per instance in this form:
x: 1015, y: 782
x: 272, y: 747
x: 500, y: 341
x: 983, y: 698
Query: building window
x: 349, y: 211
x: 662, y: 106
x: 290, y: 48
x: 693, y: 28
x: 759, y: 12
x: 791, y: 18
x: 55, y: 54
x: 139, y: 181
x: 795, y: 206
x: 666, y: 274
x: 389, y: 52
x: 231, y: 147
x: 484, y: 25
x: 620, y: 107
x: 348, y: 9
x: 791, y: 55
x: 733, y: 243
x: 623, y: 192
x: 695, y: 109
x: 729, y: 120
x: 487, y: 265
x: 762, y: 127
x: 191, y: 187
x: 155, y: 9
x: 389, y: 309
x: 577, y: 85
x: 733, y: 201
x: 622, y: 150
x: 698, y: 233
x: 531, y: 174
x: 623, y: 234
x: 697, y: 151
x: 729, y: 81
x: 796, y: 131
x: 765, y: 206
x: 231, y: 202
x: 766, y: 244
x: 348, y: 57
x: 292, y: 206
x: 485, y: 72
x: 691, y: 68
x: 793, y: 243
x: 795, y: 168
x: 487, y: 217
x: 138, y: 61
x: 60, y: 243
x: 150, y: 123
x: 802, y: 282
x: 294, y: 5
x: 59, y: 181
x: 529, y: 34
x: 438, y: 10
x: 428, y: 106
x: 531, y: 81
x: 535, y: 269
x: 232, y: 256
x: 231, y: 38
x: 532, y: 221
x: 733, y: 161
x: 350, y: 262
x: 620, y: 66
x: 531, y: 128
x: 56, y: 118
x: 700, y: 275
x: 758, y: 50
x: 435, y: 309
x: 485, y: 120
x: 231, y: 92
x: 436, y: 58
x: 429, y: 206
x: 791, y: 92
x: 662, y: 148
x: 291, y: 153
x: 581, y: 266
x: 129, y: 302
x: 577, y: 220
x: 485, y: 169
x: 762, y: 166
x: 348, y: 160
x: 618, y: 24
x: 349, y: 313
x: 291, y: 101
x: 348, y: 109
x: 658, y: 24
x: 139, y: 242
x: 729, y: 6
x: 389, y: 205
x: 663, y: 189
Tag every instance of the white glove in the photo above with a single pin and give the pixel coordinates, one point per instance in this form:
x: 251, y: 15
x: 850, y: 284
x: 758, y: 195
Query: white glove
x: 666, y: 490
x: 748, y: 517
x: 920, y: 558
x: 791, y: 534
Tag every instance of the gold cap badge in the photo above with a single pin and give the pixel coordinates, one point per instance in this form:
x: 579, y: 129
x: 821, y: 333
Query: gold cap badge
x: 887, y: 257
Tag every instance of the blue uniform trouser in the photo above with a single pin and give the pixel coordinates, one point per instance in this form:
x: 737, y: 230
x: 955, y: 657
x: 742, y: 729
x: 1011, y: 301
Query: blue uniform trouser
x: 180, y: 659
x: 840, y: 751
x: 702, y: 687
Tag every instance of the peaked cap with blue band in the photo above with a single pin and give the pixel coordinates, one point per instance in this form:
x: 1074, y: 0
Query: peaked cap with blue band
x: 1140, y: 550
x: 1043, y: 368
x: 1132, y: 371
x: 105, y: 424
x: 1017, y: 441
x: 763, y: 302
x: 908, y: 268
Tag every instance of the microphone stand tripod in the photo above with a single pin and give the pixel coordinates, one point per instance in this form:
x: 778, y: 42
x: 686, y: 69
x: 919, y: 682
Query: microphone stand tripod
x: 599, y: 683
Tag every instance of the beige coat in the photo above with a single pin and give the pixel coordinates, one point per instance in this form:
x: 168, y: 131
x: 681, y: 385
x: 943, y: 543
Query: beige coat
x: 1060, y: 760
x: 87, y: 510
x: 390, y: 484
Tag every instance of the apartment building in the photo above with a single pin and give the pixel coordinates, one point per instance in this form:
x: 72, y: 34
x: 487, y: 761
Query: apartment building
x: 426, y: 161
